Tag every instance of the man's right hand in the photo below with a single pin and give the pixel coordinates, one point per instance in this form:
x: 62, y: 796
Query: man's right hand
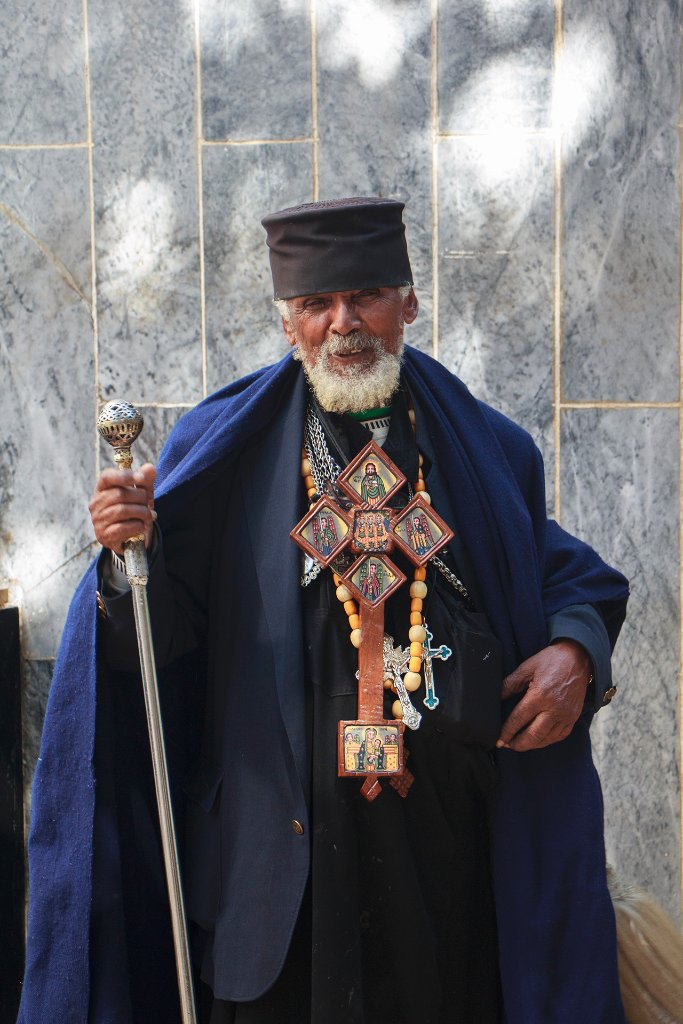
x: 123, y: 506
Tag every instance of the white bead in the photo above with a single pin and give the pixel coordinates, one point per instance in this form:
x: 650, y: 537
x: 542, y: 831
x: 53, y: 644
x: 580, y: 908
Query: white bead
x: 417, y: 633
x: 343, y: 593
x: 418, y: 589
x: 412, y: 681
x: 305, y: 468
x: 355, y: 637
x: 397, y: 709
x: 426, y: 497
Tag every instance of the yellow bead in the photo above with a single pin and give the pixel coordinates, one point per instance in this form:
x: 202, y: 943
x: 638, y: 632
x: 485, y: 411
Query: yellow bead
x: 310, y: 492
x: 420, y: 485
x: 388, y: 684
x: 412, y: 681
x: 355, y: 637
x: 309, y: 481
x: 336, y: 579
x: 411, y: 416
x: 420, y: 459
x: 416, y: 649
x: 351, y: 608
x: 416, y: 618
x: 417, y: 633
x: 354, y: 621
x: 343, y: 593
x: 305, y: 467
x: 426, y: 497
x: 420, y: 573
x: 418, y: 589
x: 397, y: 709
x: 416, y: 605
x: 415, y: 664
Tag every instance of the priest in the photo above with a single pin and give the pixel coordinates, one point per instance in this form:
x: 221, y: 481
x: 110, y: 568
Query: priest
x: 472, y: 887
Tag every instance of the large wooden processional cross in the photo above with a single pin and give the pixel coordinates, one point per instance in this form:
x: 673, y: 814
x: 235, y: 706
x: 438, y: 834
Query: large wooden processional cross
x: 371, y: 746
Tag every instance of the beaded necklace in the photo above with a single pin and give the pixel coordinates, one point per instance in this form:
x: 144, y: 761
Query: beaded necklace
x: 417, y: 632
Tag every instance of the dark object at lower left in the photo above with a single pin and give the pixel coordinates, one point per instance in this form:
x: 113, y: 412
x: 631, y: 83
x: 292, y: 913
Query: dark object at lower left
x: 11, y: 817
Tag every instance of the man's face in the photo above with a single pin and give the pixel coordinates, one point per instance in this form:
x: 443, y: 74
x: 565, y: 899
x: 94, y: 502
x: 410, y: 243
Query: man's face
x: 350, y: 343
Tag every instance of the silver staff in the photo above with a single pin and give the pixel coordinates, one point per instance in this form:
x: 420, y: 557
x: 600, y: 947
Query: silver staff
x: 120, y: 423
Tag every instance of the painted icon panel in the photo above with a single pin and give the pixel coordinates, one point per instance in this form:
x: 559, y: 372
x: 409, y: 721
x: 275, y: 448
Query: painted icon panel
x: 372, y: 578
x: 370, y: 748
x: 323, y: 532
x: 372, y: 478
x: 420, y: 531
x: 371, y: 531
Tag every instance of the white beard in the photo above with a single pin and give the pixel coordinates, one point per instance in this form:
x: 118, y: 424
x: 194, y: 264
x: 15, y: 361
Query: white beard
x: 353, y: 388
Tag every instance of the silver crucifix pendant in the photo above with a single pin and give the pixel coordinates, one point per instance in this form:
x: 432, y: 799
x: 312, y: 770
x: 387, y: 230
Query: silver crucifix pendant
x: 395, y: 663
x: 431, y: 700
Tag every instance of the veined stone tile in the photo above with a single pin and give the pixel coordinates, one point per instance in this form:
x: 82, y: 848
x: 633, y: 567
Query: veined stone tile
x: 618, y: 96
x: 42, y: 91
x: 36, y: 679
x: 374, y: 120
x: 256, y: 69
x: 495, y: 267
x: 143, y: 81
x: 46, y: 366
x: 620, y: 493
x: 495, y: 65
x: 241, y: 185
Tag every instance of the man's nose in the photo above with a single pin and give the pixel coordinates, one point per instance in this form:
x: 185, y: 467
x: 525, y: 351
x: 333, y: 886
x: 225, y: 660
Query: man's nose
x: 344, y: 318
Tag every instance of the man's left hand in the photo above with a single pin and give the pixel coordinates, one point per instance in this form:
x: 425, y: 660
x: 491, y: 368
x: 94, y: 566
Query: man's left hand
x: 555, y: 681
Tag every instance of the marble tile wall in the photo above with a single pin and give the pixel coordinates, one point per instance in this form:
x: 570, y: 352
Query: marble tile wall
x: 535, y: 143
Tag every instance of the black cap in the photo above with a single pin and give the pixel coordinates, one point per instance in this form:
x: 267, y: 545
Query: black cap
x: 337, y: 245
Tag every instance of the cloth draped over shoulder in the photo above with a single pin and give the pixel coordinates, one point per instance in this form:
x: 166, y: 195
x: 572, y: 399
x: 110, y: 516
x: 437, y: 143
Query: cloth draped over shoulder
x: 555, y: 920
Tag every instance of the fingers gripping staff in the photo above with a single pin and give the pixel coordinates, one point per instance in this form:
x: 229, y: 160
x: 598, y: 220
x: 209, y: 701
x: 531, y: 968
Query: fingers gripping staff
x: 120, y: 424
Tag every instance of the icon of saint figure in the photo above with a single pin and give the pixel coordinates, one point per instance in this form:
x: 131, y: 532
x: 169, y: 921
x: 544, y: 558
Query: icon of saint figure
x: 372, y: 489
x: 372, y: 586
x: 324, y: 535
x: 419, y: 534
x: 371, y: 753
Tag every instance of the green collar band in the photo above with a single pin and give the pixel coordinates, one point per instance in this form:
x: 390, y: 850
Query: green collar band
x: 370, y: 414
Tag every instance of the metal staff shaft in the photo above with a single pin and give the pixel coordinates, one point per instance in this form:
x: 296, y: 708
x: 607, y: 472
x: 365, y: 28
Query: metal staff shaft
x: 117, y: 422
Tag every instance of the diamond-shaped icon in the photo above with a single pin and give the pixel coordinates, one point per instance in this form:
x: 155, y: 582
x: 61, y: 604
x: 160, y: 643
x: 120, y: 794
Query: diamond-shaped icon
x: 323, y: 532
x: 372, y: 478
x: 420, y: 532
x: 372, y: 578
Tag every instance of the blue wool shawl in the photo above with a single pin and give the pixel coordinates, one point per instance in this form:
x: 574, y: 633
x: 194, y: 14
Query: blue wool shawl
x: 556, y: 925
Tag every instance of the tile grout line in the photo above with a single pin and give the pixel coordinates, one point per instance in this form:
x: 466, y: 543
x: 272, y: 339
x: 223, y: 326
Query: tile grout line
x: 680, y: 534
x: 44, y: 145
x: 606, y: 404
x: 434, y: 101
x: 557, y: 272
x: 91, y: 214
x: 199, y: 166
x: 314, y: 140
x: 209, y: 143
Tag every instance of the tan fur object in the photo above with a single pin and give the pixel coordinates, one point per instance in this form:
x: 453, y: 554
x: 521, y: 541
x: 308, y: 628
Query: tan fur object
x: 650, y: 957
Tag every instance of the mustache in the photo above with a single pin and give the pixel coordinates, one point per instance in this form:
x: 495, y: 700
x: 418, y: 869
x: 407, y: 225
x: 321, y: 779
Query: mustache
x: 354, y: 342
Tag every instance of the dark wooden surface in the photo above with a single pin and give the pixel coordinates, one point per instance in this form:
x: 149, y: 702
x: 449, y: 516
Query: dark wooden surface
x: 11, y: 818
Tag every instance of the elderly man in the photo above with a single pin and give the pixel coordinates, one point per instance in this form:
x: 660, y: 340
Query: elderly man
x: 472, y: 889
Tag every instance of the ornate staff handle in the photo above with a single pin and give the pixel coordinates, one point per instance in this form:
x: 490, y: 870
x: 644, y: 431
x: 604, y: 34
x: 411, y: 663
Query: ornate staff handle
x: 119, y: 423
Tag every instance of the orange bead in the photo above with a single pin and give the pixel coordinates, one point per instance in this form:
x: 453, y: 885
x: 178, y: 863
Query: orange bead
x: 310, y: 492
x: 416, y: 604
x: 354, y: 621
x: 416, y: 618
x: 415, y: 664
x: 420, y: 485
x: 350, y: 607
x: 309, y: 481
x: 421, y: 573
x: 416, y: 651
x: 336, y: 579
